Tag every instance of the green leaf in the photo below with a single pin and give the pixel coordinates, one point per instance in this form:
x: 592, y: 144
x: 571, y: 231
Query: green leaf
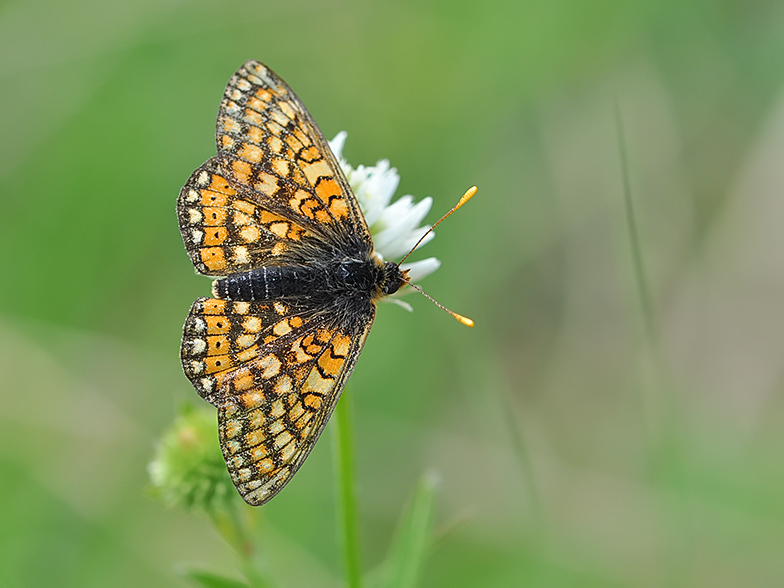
x: 403, y: 564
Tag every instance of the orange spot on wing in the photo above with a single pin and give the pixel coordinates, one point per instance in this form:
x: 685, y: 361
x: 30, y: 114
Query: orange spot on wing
x: 256, y: 437
x: 303, y: 138
x: 341, y: 344
x: 265, y: 465
x: 250, y: 234
x: 287, y: 109
x: 251, y: 152
x: 230, y: 125
x: 214, y: 306
x: 253, y: 117
x: 267, y: 184
x: 338, y: 208
x: 247, y: 354
x: 217, y: 344
x: 275, y: 144
x: 252, y: 399
x: 213, y: 258
x: 329, y: 364
x: 219, y: 184
x: 213, y: 198
x: 217, y: 324
x: 217, y: 363
x: 280, y: 229
x: 242, y: 170
x: 255, y: 135
x: 215, y: 236
x: 214, y: 216
x: 327, y: 188
x: 244, y: 206
x: 263, y: 94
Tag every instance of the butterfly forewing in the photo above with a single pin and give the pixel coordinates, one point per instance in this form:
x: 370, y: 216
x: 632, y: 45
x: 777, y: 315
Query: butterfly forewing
x: 226, y: 231
x: 268, y: 143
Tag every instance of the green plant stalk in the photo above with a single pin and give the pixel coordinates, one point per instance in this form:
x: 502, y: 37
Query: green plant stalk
x: 664, y: 429
x: 230, y: 526
x: 348, y: 527
x: 537, y: 527
x: 634, y: 238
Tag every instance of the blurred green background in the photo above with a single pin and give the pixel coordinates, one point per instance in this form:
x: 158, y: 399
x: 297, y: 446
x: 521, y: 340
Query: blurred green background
x: 575, y: 447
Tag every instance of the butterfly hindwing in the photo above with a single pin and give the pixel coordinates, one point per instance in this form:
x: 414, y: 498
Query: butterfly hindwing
x: 220, y: 337
x: 280, y: 402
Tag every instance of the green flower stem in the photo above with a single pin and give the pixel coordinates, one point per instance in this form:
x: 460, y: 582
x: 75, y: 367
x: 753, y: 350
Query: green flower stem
x: 343, y: 448
x: 235, y: 532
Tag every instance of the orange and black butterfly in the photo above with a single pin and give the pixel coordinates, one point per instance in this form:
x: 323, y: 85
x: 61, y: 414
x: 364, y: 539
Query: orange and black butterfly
x: 273, y: 217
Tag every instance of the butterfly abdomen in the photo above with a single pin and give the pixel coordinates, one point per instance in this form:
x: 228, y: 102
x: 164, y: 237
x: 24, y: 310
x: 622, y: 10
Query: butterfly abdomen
x: 353, y: 279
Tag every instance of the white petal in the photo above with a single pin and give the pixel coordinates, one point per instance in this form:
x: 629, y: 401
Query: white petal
x: 397, y: 301
x: 400, y: 231
x: 413, y: 238
x: 375, y: 189
x: 337, y: 144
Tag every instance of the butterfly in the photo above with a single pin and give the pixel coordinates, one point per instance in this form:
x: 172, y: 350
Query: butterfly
x: 273, y: 218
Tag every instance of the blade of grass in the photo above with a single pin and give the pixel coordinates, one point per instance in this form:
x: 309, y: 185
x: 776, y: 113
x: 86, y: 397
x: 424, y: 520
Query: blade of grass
x: 403, y: 564
x: 212, y: 580
x: 634, y: 237
x: 659, y: 412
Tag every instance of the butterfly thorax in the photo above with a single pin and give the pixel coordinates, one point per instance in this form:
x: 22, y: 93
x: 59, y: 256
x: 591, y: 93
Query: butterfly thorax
x: 337, y: 281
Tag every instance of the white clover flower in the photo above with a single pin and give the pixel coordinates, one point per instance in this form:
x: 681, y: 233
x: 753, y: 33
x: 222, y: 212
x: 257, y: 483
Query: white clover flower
x: 394, y: 225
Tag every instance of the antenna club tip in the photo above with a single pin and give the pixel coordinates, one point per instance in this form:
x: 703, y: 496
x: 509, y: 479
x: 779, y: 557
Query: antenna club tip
x: 466, y: 197
x: 465, y: 320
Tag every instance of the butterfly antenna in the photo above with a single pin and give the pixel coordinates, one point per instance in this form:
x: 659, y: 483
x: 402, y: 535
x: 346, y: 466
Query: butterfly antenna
x: 463, y: 319
x: 466, y: 197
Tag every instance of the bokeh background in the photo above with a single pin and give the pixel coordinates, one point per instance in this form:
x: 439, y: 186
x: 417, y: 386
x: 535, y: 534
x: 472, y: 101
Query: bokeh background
x: 577, y: 444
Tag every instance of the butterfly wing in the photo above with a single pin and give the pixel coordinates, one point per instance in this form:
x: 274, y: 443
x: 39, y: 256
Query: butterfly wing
x: 222, y: 336
x: 226, y: 230
x: 269, y: 144
x: 275, y: 193
x: 275, y: 372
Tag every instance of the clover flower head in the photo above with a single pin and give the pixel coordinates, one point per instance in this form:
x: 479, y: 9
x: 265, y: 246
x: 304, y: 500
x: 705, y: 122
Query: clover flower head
x: 188, y: 469
x: 393, y: 225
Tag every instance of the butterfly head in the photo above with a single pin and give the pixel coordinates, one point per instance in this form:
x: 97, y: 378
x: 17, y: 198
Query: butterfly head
x: 394, y: 278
